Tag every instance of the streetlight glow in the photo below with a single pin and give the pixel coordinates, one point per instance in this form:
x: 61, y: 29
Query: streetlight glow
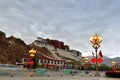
x: 113, y: 63
x: 85, y: 60
x: 32, y: 52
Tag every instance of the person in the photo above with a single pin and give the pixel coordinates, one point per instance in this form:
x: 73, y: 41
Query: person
x: 72, y: 73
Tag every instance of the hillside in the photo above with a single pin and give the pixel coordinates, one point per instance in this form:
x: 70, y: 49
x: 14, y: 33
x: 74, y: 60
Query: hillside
x: 13, y: 49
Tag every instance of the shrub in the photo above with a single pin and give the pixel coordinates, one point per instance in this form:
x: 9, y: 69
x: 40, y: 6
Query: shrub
x: 115, y: 74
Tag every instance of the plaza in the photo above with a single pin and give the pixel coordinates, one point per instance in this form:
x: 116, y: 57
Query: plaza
x: 57, y: 78
x: 56, y: 75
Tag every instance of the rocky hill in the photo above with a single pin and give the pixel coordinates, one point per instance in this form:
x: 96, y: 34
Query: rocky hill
x: 13, y: 49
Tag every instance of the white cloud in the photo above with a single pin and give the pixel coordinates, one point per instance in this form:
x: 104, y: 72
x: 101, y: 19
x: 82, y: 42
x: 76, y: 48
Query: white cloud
x: 71, y: 21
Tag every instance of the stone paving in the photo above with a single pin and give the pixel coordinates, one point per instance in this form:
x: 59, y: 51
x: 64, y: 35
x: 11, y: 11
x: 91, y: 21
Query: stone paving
x: 56, y: 76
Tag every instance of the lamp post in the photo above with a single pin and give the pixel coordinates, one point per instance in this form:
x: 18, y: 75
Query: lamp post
x: 85, y: 62
x: 113, y: 65
x: 96, y: 40
x: 86, y: 65
x: 32, y: 53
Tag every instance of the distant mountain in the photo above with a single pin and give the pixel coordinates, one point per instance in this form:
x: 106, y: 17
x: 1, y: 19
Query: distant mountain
x: 107, y: 60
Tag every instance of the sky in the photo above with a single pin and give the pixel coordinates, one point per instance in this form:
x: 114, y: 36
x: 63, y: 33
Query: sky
x: 70, y: 21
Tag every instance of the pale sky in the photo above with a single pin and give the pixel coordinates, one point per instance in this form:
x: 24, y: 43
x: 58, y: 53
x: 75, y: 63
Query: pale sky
x: 70, y: 21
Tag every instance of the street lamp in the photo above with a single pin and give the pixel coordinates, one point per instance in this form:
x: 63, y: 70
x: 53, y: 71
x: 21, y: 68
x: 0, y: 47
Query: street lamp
x: 113, y: 65
x: 32, y: 53
x: 85, y: 60
x: 96, y: 40
x: 86, y: 65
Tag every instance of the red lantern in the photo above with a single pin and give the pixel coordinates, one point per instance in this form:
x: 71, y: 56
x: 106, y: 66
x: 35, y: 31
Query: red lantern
x: 93, y: 60
x: 31, y: 62
x: 100, y: 60
x: 113, y: 69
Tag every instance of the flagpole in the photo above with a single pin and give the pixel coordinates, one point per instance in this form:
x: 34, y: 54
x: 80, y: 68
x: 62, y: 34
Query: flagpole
x: 93, y: 54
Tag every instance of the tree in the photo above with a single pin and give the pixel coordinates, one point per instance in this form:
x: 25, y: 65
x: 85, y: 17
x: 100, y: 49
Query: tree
x: 35, y: 65
x: 91, y: 67
x: 104, y: 67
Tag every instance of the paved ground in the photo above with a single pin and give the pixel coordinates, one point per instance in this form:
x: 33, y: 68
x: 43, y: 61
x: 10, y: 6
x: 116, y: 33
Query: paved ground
x: 58, y: 78
x: 56, y: 75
